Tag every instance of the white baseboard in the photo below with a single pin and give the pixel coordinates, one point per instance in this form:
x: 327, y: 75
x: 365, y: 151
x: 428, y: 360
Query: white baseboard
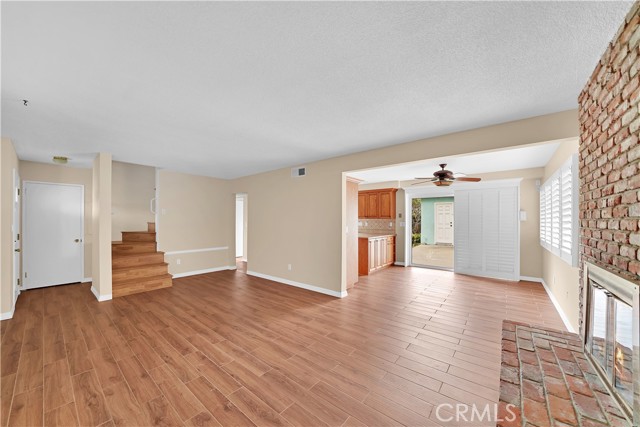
x: 207, y: 270
x: 400, y: 263
x: 299, y: 285
x: 8, y: 315
x: 532, y: 279
x: 99, y: 297
x: 86, y: 280
x: 559, y: 309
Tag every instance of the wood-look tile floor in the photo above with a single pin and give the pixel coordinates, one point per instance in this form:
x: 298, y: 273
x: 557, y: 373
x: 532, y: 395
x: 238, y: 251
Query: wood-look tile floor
x: 233, y: 350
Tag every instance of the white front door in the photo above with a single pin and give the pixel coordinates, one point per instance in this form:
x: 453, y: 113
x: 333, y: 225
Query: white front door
x: 53, y: 234
x: 443, y: 222
x: 239, y: 227
x: 15, y: 228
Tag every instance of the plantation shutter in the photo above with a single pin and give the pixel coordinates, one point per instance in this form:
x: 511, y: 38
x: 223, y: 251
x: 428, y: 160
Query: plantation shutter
x: 487, y: 232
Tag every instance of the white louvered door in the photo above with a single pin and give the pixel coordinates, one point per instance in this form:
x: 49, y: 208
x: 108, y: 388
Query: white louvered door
x: 487, y: 233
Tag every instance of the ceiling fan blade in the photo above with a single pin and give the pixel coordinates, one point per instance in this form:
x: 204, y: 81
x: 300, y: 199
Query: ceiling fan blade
x: 421, y: 182
x: 470, y: 179
x: 422, y: 177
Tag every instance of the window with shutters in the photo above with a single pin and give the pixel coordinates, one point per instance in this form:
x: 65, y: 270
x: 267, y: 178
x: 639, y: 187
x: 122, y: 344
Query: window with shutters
x: 558, y: 212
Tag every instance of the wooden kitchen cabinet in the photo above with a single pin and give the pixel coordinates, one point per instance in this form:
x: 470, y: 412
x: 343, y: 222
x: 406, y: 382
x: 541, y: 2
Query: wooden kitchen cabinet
x: 375, y: 253
x: 377, y: 203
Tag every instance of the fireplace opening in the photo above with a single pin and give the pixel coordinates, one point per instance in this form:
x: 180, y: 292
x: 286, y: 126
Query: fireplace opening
x: 612, y: 336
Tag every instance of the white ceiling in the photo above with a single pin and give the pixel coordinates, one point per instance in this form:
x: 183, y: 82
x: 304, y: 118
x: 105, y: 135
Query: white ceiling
x: 533, y: 156
x: 228, y: 89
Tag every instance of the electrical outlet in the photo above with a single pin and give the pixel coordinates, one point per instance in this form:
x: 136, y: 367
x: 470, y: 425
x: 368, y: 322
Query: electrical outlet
x: 178, y: 261
x: 289, y: 267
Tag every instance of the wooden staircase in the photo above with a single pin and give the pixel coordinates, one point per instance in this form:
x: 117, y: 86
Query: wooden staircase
x: 137, y: 266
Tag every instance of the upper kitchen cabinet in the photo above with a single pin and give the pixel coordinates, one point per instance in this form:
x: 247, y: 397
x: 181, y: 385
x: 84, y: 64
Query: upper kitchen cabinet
x: 377, y: 203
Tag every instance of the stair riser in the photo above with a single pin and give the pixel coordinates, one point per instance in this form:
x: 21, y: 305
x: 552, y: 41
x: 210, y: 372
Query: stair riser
x: 147, y: 271
x: 132, y: 236
x: 142, y: 286
x: 136, y: 261
x: 134, y: 248
x: 151, y: 227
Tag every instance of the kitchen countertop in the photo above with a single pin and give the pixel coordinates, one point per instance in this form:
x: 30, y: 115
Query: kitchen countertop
x: 370, y: 235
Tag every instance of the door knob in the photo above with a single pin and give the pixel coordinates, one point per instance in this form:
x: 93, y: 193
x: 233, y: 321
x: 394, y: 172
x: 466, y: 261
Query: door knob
x: 77, y: 240
x: 17, y: 250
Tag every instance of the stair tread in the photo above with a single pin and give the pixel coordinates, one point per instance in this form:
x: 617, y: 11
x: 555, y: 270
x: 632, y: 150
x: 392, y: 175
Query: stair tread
x: 135, y: 267
x: 139, y: 232
x: 143, y: 279
x: 127, y: 254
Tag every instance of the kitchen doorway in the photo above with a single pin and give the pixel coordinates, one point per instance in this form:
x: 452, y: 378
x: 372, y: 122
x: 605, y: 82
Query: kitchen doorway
x: 432, y: 232
x: 241, y: 231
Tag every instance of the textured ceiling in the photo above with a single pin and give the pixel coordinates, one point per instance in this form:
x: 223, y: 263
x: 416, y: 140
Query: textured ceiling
x: 230, y: 89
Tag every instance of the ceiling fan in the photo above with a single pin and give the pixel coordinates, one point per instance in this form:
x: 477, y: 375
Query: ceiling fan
x: 445, y: 178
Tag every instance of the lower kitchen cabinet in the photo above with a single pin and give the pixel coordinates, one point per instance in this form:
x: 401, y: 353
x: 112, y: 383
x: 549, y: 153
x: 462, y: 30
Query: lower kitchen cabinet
x: 375, y: 253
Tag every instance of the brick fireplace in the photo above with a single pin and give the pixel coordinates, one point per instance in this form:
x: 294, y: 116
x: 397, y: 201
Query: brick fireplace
x: 557, y: 378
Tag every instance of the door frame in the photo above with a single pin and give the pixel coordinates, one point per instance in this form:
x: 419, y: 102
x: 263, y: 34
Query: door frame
x: 435, y: 221
x: 24, y: 225
x: 16, y: 230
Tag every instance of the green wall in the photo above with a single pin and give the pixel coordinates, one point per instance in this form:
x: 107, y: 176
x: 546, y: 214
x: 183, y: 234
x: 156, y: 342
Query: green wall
x: 427, y: 218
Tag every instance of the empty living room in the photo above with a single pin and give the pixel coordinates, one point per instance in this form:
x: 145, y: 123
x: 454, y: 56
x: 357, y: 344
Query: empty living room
x: 345, y: 214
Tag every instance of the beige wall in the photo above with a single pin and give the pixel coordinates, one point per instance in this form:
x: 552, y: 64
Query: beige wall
x: 8, y: 163
x: 101, y: 214
x: 43, y: 172
x: 304, y: 218
x: 560, y: 277
x: 196, y: 213
x: 132, y: 188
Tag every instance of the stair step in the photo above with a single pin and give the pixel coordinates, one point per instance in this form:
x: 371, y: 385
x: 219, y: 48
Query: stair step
x: 133, y: 247
x: 146, y: 284
x: 137, y: 272
x: 120, y: 260
x: 151, y: 227
x: 138, y: 236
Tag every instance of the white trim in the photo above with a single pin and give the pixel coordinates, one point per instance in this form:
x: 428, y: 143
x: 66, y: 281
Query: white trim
x: 206, y: 270
x: 99, y: 297
x: 556, y: 304
x: 193, y: 251
x: 531, y: 279
x: 400, y: 263
x: 299, y: 285
x: 7, y: 315
x: 86, y: 280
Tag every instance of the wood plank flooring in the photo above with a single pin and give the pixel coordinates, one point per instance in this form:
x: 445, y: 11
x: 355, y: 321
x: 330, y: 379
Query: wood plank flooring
x: 233, y: 350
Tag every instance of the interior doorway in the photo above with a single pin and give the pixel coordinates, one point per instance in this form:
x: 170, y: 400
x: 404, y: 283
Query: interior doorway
x: 53, y: 229
x: 15, y: 230
x: 432, y: 222
x: 241, y: 231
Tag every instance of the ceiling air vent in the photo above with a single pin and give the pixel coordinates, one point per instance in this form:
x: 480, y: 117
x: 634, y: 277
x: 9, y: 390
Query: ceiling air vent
x: 300, y: 171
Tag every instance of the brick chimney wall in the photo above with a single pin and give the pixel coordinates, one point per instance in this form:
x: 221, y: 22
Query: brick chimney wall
x: 610, y: 158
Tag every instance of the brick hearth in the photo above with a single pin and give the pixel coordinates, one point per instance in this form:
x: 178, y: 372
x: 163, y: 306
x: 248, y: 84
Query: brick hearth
x: 547, y: 377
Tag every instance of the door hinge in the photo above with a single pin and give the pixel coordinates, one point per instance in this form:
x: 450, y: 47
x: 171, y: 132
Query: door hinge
x: 18, y: 236
x: 25, y: 274
x: 18, y: 281
x: 18, y: 191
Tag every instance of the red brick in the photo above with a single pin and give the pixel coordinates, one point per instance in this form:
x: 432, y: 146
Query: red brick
x: 508, y: 415
x: 528, y: 357
x: 531, y: 372
x: 509, y: 346
x: 563, y: 354
x: 510, y: 374
x: 531, y: 390
x: 536, y: 413
x: 551, y: 370
x: 510, y: 359
x: 546, y: 355
x: 588, y: 405
x: 556, y: 387
x: 579, y: 385
x: 609, y: 404
x: 586, y: 422
x: 509, y: 393
x: 562, y: 410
